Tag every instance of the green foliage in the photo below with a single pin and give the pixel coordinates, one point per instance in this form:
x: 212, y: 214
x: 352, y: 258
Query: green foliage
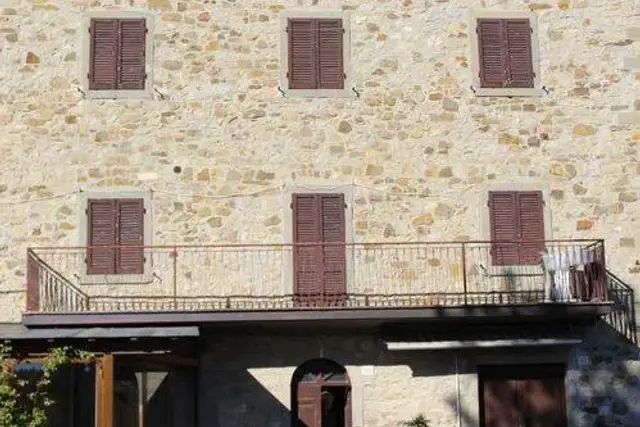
x: 418, y: 421
x: 19, y: 408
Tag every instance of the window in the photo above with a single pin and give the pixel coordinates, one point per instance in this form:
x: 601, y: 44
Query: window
x: 115, y: 224
x: 316, y: 54
x: 118, y: 52
x: 505, y: 56
x: 517, y: 224
x: 319, y: 270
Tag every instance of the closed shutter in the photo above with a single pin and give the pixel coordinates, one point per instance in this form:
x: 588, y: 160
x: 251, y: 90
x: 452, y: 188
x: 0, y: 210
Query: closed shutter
x: 307, y: 259
x: 491, y: 53
x: 334, y: 259
x: 520, y: 69
x: 531, y: 227
x: 116, y: 224
x: 130, y: 260
x: 117, y: 54
x: 103, y: 74
x: 516, y: 216
x: 101, y: 232
x: 503, y: 215
x: 303, y: 54
x: 505, y: 53
x: 309, y: 404
x: 330, y: 65
x: 132, y: 54
x: 315, y: 51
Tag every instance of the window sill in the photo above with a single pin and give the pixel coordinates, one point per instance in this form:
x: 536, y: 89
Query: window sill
x: 119, y: 94
x: 509, y: 92
x: 319, y: 93
x: 116, y: 279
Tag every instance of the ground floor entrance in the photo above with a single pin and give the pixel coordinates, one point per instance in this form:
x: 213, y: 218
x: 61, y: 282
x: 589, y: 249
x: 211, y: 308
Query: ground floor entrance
x: 522, y: 396
x: 120, y: 391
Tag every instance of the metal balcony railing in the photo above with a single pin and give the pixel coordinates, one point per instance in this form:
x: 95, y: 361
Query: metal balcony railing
x: 319, y: 276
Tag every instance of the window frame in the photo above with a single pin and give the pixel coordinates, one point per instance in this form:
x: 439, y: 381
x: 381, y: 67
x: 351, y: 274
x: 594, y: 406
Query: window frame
x: 485, y: 219
x: 346, y: 91
x: 83, y: 235
x: 85, y: 62
x: 313, y: 187
x: 474, y: 56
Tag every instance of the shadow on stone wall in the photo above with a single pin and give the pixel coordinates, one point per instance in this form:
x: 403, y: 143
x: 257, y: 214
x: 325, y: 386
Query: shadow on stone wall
x: 252, y: 375
x: 602, y: 383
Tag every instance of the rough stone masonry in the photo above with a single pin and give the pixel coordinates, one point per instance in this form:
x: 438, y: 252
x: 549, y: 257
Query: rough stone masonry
x: 415, y: 151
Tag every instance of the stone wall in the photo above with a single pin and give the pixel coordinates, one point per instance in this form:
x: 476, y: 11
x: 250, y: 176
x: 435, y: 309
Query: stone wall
x: 415, y: 152
x: 246, y: 380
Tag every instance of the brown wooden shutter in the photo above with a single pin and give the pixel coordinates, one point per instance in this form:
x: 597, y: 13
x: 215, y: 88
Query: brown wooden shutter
x: 103, y: 64
x: 334, y: 259
x: 531, y: 227
x: 130, y: 232
x: 330, y: 54
x: 503, y: 215
x: 101, y: 232
x: 309, y: 404
x: 519, y: 54
x: 307, y: 259
x: 492, y: 53
x: 132, y: 46
x: 303, y: 53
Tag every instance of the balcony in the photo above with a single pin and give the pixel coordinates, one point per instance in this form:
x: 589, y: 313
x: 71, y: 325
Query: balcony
x: 288, y: 277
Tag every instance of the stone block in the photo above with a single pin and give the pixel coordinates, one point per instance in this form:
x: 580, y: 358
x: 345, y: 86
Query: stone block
x: 629, y: 118
x: 632, y: 63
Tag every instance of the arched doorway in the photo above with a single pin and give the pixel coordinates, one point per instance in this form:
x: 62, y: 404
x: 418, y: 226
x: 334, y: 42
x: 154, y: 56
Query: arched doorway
x: 320, y: 395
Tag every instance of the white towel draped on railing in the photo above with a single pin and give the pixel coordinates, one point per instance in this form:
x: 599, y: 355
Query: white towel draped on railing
x: 557, y: 264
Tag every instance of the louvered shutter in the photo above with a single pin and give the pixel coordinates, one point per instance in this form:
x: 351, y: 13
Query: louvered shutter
x: 531, y: 227
x: 303, y: 53
x: 132, y: 46
x: 101, y: 232
x: 492, y: 53
x: 309, y: 404
x: 103, y: 64
x: 519, y: 53
x: 503, y: 214
x: 130, y: 232
x: 330, y: 55
x: 334, y: 259
x: 307, y: 259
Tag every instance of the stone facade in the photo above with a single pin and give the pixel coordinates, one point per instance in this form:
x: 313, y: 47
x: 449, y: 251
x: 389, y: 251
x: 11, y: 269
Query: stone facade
x: 414, y: 150
x: 253, y: 385
x: 221, y: 149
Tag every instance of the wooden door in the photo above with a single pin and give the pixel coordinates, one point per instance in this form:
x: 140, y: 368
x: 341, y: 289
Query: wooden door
x: 543, y: 401
x: 522, y: 396
x: 309, y: 404
x: 500, y: 397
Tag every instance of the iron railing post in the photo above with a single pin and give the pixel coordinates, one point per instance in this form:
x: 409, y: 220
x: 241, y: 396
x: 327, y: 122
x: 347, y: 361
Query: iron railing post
x: 175, y: 277
x: 464, y: 271
x: 33, y: 283
x: 603, y: 272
